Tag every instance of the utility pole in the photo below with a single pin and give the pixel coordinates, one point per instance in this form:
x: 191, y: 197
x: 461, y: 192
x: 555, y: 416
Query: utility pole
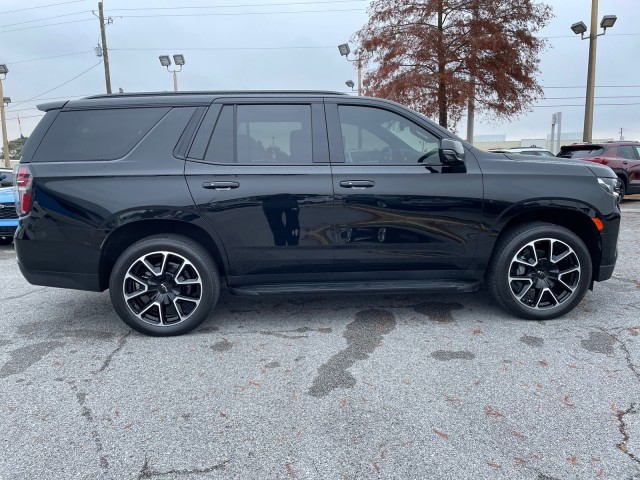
x: 471, y: 107
x: 559, y: 118
x: 359, y: 76
x: 554, y: 120
x: 105, y: 52
x: 5, y: 140
x: 591, y: 74
x: 621, y: 137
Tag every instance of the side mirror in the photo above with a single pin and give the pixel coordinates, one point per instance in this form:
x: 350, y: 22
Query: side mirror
x: 451, y: 152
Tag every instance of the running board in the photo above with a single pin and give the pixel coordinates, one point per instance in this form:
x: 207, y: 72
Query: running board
x: 453, y: 286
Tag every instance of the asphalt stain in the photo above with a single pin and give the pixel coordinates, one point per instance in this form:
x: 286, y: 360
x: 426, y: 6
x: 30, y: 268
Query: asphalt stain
x: 287, y: 333
x: 57, y: 330
x: 599, y: 342
x: 532, y: 341
x: 272, y: 365
x: 24, y: 357
x: 222, y: 346
x: 363, y: 336
x: 439, y: 312
x: 445, y: 356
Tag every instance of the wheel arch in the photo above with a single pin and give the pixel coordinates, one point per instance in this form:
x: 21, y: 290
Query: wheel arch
x: 574, y: 220
x: 126, y: 235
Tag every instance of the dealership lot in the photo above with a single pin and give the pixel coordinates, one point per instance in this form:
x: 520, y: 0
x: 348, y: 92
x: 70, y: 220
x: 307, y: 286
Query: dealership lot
x: 358, y: 386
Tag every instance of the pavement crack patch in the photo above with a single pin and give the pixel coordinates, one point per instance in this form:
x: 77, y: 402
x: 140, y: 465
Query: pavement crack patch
x: 622, y: 446
x: 24, y: 357
x: 119, y: 346
x: 627, y: 353
x: 86, y: 412
x: 147, y: 472
x: 24, y: 294
x: 363, y: 336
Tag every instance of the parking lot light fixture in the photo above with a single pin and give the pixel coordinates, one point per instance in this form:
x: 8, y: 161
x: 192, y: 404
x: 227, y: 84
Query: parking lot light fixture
x: 3, y: 69
x: 344, y: 49
x: 608, y: 21
x: 6, y: 100
x: 350, y: 84
x: 579, y: 28
x: 165, y: 60
x: 178, y: 59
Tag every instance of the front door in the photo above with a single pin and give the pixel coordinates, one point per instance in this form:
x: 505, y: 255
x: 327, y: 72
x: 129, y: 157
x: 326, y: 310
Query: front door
x: 399, y: 212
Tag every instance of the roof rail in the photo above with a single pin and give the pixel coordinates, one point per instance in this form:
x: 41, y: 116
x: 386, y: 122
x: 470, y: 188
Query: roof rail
x: 217, y: 92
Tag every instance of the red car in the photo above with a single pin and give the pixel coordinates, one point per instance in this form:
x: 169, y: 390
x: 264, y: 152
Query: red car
x: 623, y: 158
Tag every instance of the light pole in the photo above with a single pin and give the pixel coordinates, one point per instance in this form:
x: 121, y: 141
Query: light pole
x: 345, y: 51
x: 5, y: 141
x: 579, y: 28
x: 178, y: 59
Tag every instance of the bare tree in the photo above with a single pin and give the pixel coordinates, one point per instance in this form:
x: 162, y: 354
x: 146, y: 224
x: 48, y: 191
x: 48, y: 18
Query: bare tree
x: 428, y: 54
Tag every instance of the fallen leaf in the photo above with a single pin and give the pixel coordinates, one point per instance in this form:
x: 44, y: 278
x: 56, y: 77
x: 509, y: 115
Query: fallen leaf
x: 568, y: 402
x: 256, y: 384
x: 623, y: 447
x: 442, y: 434
x: 613, y: 406
x: 543, y: 363
x: 519, y: 435
x: 595, y: 459
x: 494, y: 465
x: 376, y: 465
x: 492, y: 412
x: 451, y: 399
x: 635, y: 331
x: 599, y: 473
x: 290, y: 470
x: 343, y: 402
x: 573, y: 365
x: 572, y: 460
x: 477, y: 331
x: 520, y: 460
x: 406, y: 382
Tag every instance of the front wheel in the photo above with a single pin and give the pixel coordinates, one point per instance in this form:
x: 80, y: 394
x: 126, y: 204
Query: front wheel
x: 164, y: 285
x: 539, y: 271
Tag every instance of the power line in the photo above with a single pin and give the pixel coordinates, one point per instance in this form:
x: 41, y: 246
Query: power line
x: 223, y: 48
x: 54, y: 98
x: 231, y: 14
x: 48, y: 25
x: 236, y: 5
x: 598, y: 86
x: 26, y: 116
x: 582, y: 97
x: 582, y: 105
x: 45, y: 18
x: 54, y: 56
x: 55, y: 88
x: 41, y: 6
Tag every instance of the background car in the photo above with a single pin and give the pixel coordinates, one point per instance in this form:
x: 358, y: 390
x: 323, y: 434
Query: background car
x: 8, y: 216
x: 535, y: 151
x: 622, y: 157
x: 6, y: 177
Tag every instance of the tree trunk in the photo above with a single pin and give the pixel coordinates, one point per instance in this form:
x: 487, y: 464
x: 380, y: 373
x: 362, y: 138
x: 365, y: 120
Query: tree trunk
x: 442, y: 86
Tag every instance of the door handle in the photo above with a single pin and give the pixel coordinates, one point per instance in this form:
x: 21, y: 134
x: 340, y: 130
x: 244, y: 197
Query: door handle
x: 357, y: 184
x: 220, y: 185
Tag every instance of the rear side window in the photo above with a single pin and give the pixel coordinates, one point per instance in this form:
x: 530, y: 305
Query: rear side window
x: 582, y: 152
x: 626, y: 151
x: 105, y: 134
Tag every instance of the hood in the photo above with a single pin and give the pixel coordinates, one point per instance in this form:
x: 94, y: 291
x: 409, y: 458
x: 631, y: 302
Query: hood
x: 6, y: 195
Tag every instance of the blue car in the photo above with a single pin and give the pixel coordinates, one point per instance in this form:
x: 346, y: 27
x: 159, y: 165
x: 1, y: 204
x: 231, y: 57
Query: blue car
x: 8, y: 216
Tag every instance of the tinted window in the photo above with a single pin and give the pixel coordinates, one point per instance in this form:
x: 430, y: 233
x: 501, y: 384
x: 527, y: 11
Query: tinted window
x: 274, y: 134
x: 637, y: 151
x: 373, y: 135
x: 582, y: 152
x: 220, y: 149
x: 626, y: 151
x: 96, y: 134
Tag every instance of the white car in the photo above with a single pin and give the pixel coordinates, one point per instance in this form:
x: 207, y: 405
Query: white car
x: 535, y: 151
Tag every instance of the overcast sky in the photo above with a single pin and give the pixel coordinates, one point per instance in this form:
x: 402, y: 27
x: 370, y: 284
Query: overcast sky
x: 253, y: 44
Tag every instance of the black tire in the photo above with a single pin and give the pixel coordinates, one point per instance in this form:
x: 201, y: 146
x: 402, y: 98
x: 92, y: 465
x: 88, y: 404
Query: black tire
x: 623, y: 189
x: 553, y: 302
x: 184, y: 285
x: 6, y: 240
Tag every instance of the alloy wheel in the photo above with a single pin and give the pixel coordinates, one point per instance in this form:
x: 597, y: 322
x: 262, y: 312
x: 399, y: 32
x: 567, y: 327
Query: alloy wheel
x: 544, y: 274
x: 162, y: 288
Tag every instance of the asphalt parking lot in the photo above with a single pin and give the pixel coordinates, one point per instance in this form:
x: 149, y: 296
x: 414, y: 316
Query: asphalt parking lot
x: 342, y: 387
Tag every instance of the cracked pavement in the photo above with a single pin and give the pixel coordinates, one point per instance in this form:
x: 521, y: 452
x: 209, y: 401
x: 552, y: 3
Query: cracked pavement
x: 357, y: 386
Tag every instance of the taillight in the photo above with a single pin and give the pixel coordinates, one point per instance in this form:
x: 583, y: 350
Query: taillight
x: 22, y: 189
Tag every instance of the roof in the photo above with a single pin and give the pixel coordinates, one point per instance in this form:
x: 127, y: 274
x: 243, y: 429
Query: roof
x: 175, y: 98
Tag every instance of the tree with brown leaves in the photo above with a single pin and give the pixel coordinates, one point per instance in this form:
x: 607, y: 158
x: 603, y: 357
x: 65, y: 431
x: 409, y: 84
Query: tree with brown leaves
x: 432, y: 54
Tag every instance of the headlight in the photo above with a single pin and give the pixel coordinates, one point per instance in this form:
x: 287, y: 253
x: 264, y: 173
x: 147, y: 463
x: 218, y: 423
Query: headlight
x: 610, y: 185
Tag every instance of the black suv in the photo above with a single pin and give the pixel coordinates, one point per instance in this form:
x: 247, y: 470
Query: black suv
x: 163, y: 198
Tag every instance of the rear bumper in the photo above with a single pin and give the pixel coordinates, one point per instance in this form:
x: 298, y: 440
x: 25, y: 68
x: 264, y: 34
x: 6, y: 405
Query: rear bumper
x: 76, y: 281
x: 64, y: 258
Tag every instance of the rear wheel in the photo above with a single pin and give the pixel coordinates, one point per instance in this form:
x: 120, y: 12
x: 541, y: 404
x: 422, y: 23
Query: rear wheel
x: 539, y: 271
x: 6, y: 240
x: 164, y: 285
x: 623, y: 189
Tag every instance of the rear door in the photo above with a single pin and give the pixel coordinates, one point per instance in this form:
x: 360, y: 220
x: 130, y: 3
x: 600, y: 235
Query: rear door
x: 399, y: 213
x: 261, y: 178
x: 630, y: 158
